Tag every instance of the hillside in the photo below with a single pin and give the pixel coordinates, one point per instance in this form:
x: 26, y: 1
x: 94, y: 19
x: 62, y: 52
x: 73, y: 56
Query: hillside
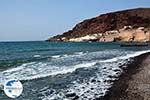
x: 100, y: 27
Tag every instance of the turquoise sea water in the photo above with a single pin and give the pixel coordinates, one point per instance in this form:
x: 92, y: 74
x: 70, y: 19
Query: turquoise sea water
x: 54, y: 70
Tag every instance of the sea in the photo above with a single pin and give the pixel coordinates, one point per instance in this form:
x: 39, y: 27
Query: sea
x: 64, y: 70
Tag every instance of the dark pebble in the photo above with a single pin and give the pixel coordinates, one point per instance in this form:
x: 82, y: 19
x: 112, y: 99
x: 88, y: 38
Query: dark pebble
x: 117, y: 70
x: 93, y: 80
x: 92, y: 88
x: 98, y: 81
x: 71, y: 95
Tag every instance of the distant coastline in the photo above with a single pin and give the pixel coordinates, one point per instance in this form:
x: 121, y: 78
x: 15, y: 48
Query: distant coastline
x: 131, y: 25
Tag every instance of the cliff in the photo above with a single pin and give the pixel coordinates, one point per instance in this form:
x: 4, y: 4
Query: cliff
x: 109, y: 27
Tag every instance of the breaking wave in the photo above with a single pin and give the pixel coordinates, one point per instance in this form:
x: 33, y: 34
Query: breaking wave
x: 96, y: 86
x: 33, y: 70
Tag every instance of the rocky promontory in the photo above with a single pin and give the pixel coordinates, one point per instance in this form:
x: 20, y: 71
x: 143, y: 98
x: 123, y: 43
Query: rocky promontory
x: 127, y: 25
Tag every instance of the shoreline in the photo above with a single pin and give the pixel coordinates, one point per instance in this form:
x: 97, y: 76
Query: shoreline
x: 122, y: 88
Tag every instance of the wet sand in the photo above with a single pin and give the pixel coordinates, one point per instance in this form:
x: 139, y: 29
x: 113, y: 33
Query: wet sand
x: 134, y: 83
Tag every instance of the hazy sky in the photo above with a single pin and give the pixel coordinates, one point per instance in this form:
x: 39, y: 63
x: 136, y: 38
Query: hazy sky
x: 22, y: 20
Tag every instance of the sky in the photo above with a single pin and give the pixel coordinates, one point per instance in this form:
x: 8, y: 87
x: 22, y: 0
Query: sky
x: 33, y: 20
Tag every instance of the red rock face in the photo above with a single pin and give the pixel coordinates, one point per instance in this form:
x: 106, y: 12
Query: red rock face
x: 110, y: 21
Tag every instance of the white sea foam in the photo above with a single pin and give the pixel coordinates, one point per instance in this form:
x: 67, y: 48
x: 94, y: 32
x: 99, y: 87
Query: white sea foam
x: 68, y: 55
x: 31, y: 68
x: 36, y: 56
x: 56, y: 56
x: 89, y: 90
x: 35, y: 70
x: 79, y: 53
x: 132, y: 55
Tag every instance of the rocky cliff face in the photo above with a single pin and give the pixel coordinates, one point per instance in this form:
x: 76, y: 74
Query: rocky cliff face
x: 140, y: 34
x: 108, y: 25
